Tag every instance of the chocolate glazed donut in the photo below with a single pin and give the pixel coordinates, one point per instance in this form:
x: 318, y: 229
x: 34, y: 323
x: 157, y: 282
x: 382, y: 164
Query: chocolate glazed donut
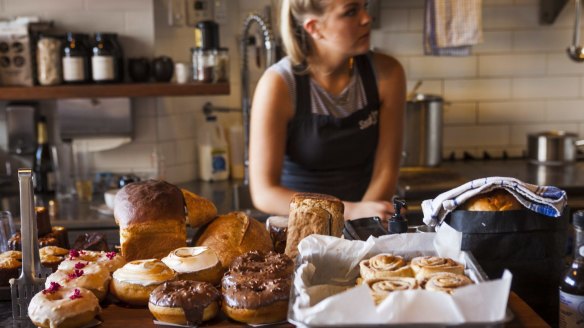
x: 184, y: 302
x: 257, y: 287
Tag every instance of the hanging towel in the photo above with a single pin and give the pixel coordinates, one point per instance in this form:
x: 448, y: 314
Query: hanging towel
x: 544, y: 200
x: 451, y: 27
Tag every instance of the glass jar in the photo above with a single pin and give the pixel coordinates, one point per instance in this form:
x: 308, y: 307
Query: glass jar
x: 106, y: 59
x: 49, y: 60
x: 221, y: 68
x: 203, y: 64
x: 75, y: 58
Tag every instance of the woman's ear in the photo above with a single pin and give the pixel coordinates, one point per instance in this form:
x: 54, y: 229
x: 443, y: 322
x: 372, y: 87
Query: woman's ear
x: 311, y: 27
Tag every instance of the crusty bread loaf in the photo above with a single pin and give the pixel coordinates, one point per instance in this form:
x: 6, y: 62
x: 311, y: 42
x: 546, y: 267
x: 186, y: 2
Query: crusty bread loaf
x: 235, y: 234
x: 328, y: 203
x: 313, y: 214
x: 200, y: 210
x: 495, y: 200
x: 151, y: 217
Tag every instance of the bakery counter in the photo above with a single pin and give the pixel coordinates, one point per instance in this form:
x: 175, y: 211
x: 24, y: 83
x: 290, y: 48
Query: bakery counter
x: 114, y: 316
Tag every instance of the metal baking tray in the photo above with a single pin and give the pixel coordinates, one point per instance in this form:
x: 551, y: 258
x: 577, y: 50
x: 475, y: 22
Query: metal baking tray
x: 478, y: 274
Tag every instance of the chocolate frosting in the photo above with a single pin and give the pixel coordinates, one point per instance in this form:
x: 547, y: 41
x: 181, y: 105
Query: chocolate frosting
x: 253, y: 293
x: 269, y: 265
x: 257, y: 279
x: 143, y: 201
x: 192, y: 296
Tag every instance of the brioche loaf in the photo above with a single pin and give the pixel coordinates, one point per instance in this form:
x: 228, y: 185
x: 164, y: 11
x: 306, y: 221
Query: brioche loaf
x: 199, y: 209
x: 495, y: 200
x: 151, y: 217
x: 234, y: 234
x: 313, y: 214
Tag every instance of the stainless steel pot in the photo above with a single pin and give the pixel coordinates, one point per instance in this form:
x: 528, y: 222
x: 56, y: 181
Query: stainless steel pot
x: 423, y: 131
x: 552, y: 147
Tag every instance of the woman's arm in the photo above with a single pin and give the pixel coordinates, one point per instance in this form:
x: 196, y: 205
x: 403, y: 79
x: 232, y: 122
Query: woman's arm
x: 271, y: 111
x: 392, y: 93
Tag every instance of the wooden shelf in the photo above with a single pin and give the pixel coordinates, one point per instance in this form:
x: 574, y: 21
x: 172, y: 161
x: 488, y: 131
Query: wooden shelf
x: 113, y: 90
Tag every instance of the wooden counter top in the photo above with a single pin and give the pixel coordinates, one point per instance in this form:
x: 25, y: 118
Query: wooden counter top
x: 114, y: 316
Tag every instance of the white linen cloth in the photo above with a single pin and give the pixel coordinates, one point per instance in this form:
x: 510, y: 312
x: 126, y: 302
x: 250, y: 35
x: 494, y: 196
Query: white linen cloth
x: 451, y: 27
x: 546, y: 200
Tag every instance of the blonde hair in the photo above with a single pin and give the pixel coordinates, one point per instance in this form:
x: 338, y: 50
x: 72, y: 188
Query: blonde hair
x: 294, y: 38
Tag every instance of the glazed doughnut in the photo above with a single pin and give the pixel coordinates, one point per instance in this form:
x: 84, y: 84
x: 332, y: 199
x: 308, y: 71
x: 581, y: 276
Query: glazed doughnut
x: 83, y: 274
x: 184, y: 302
x: 257, y: 287
x: 426, y: 266
x: 60, y: 307
x: 383, y: 266
x: 380, y: 288
x: 447, y: 282
x: 133, y: 282
x: 195, y: 263
x: 110, y: 260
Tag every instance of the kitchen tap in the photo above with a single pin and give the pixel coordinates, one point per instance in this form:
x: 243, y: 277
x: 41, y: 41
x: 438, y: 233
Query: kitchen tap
x: 270, y: 47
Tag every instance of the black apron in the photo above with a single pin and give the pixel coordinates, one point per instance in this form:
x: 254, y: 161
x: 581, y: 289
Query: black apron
x: 330, y: 155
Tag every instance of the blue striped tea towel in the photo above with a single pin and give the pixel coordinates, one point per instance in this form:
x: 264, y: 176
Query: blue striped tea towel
x: 546, y: 200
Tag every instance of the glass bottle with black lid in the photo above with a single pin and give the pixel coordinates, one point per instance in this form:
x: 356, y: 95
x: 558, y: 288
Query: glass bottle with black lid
x: 76, y: 58
x: 106, y: 59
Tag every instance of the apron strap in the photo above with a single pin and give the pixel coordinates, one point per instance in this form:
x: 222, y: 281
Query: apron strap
x: 368, y: 78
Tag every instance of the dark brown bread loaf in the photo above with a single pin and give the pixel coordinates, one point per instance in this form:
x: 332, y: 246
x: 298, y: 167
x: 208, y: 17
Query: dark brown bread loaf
x: 151, y: 216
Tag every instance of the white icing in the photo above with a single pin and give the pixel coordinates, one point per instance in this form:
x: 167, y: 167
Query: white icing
x: 101, y: 258
x: 94, y: 276
x: 191, y: 259
x: 57, y: 306
x: 144, y: 272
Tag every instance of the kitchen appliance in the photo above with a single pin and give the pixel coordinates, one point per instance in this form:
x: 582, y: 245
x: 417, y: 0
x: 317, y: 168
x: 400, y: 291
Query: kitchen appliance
x: 422, y: 144
x: 552, y: 147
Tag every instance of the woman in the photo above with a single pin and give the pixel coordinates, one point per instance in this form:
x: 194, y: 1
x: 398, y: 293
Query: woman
x: 327, y: 118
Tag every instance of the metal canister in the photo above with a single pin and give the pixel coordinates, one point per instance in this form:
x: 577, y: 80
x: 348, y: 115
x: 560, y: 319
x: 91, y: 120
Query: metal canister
x: 423, y: 131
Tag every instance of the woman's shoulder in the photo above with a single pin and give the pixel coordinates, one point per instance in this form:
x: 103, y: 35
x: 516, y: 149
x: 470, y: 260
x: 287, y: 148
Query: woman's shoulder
x: 386, y: 66
x: 282, y: 69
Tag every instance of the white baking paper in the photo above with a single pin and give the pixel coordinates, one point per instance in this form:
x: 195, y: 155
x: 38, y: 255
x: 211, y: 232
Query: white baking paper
x: 327, y: 295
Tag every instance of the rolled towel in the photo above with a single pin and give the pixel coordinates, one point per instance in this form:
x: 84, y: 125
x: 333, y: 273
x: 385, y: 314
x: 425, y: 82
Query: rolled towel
x: 546, y: 200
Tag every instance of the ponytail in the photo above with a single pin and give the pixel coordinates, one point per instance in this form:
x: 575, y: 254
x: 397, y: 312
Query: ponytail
x: 294, y: 37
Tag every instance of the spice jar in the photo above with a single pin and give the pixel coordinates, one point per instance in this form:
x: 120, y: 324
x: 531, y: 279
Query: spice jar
x: 49, y: 60
x: 221, y: 68
x: 106, y: 59
x: 203, y: 64
x: 75, y: 58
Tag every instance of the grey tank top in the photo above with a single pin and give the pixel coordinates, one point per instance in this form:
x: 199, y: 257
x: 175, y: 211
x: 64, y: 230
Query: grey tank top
x: 322, y: 102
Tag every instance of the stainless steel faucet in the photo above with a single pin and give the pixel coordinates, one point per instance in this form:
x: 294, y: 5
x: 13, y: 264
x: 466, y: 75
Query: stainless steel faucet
x: 270, y: 47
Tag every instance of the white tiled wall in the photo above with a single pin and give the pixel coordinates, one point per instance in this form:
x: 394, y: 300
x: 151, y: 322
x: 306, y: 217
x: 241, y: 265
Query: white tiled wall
x: 518, y: 81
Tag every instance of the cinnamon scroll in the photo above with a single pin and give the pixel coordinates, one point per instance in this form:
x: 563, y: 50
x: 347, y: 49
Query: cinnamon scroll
x: 386, y: 273
x: 383, y: 266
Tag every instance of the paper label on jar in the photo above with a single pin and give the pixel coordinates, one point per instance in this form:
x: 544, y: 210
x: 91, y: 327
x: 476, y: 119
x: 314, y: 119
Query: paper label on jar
x: 102, y: 68
x: 571, y: 310
x: 73, y: 69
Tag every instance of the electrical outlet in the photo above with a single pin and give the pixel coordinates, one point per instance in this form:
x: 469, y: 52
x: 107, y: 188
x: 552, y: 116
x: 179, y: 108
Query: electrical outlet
x: 199, y: 10
x: 220, y: 12
x: 177, y: 15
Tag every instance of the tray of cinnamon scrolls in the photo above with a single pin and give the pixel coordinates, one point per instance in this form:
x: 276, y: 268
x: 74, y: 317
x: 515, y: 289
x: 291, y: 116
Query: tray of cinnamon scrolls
x: 397, y: 280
